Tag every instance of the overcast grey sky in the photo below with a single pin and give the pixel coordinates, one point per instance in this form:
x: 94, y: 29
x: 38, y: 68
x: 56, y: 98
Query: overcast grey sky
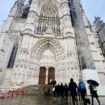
x: 92, y: 8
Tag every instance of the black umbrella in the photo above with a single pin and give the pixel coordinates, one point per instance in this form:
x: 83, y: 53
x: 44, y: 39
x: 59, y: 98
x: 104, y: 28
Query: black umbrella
x: 93, y: 82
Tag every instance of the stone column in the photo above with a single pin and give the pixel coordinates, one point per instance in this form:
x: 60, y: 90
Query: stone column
x: 32, y: 18
x: 65, y: 17
x: 46, y: 82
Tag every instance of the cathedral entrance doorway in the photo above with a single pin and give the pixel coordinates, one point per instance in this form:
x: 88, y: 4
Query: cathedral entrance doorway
x: 51, y: 73
x: 42, y: 75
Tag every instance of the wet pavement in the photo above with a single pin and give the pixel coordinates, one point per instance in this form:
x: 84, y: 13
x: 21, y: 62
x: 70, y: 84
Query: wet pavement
x: 41, y: 100
x: 33, y: 100
x: 34, y: 95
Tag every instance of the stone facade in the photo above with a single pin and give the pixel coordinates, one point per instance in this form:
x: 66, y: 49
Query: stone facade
x: 48, y: 33
x: 100, y: 32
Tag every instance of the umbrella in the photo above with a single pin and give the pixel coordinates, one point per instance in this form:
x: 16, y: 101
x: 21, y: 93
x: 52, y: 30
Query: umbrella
x: 93, y: 82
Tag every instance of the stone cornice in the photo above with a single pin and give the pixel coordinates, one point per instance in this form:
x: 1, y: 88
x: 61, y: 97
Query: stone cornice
x: 43, y: 36
x: 64, y: 16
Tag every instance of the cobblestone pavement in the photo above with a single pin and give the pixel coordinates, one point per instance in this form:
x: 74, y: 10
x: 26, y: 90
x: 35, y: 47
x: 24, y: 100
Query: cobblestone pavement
x: 41, y: 100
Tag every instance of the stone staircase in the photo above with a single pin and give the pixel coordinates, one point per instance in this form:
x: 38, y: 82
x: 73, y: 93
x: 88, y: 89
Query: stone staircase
x: 34, y: 90
x: 38, y: 92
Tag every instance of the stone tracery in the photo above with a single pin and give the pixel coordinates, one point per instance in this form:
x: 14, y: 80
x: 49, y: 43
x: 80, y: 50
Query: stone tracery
x: 45, y: 44
x: 48, y: 19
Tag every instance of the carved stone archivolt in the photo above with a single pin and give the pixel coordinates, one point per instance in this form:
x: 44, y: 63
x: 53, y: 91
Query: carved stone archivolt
x: 45, y: 44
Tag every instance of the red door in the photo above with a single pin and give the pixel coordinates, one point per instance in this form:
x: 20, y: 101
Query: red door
x: 42, y: 75
x: 51, y: 73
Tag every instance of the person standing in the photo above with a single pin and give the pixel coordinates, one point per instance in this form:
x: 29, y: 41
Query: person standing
x: 66, y: 91
x: 46, y: 89
x: 61, y: 91
x: 73, y: 89
x: 57, y: 88
x: 49, y: 81
x: 54, y: 82
x: 93, y: 93
x: 82, y: 91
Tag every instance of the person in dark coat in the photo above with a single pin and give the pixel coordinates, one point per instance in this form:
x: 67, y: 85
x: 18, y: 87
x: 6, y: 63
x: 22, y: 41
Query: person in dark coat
x: 57, y: 89
x: 54, y: 82
x: 73, y: 89
x: 49, y: 81
x: 93, y: 93
x: 61, y: 90
x: 66, y: 90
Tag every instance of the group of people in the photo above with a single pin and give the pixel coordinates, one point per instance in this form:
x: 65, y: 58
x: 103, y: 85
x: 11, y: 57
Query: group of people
x: 60, y: 91
x: 51, y: 81
x: 73, y: 90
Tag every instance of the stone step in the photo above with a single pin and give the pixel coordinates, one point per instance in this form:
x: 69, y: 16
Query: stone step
x: 34, y: 90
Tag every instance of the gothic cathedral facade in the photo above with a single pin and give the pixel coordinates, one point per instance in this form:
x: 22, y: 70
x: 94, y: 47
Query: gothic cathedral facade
x: 45, y: 39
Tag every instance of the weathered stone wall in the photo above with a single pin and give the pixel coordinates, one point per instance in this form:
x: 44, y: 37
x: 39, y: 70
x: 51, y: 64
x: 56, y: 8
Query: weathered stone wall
x: 95, y: 50
x: 6, y: 45
x: 83, y: 48
x: 48, y: 50
x: 100, y: 32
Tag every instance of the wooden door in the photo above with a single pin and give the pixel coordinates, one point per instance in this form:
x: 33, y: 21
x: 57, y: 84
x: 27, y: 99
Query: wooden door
x: 51, y: 73
x: 42, y: 75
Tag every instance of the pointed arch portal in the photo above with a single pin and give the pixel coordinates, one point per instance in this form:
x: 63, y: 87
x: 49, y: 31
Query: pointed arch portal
x: 48, y: 55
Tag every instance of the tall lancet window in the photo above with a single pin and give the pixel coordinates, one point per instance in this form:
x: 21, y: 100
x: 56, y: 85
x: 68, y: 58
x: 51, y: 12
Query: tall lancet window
x: 13, y: 56
x: 26, y: 8
x: 48, y: 19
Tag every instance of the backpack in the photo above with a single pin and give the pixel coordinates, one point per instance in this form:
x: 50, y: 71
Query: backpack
x: 82, y: 86
x: 94, y: 88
